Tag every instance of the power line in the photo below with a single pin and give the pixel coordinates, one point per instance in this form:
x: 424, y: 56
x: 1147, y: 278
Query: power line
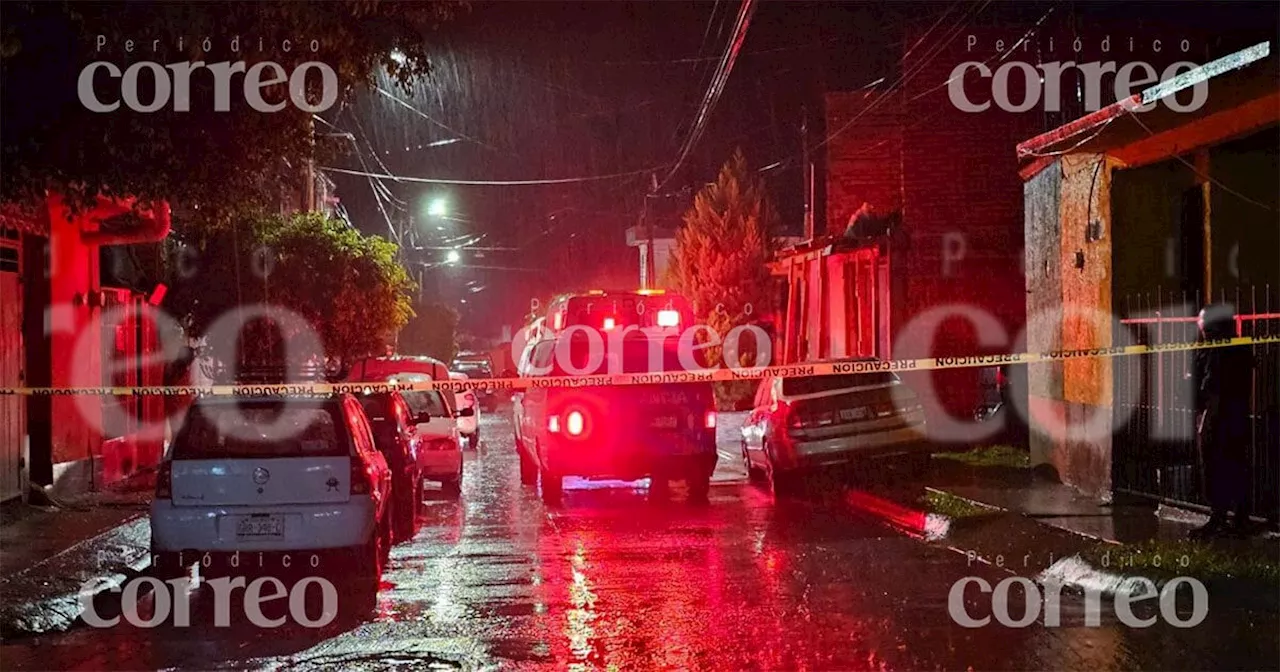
x: 712, y: 95
x: 491, y: 183
x: 431, y: 119
x: 909, y: 74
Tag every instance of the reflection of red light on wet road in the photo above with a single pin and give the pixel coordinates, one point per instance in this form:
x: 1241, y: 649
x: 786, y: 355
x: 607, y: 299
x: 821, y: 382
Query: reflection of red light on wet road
x: 914, y: 522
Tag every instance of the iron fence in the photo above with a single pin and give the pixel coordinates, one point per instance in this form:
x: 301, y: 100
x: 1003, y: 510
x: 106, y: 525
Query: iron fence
x: 1154, y: 449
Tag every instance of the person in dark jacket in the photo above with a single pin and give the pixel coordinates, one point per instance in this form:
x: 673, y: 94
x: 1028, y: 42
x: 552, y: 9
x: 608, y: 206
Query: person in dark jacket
x: 1223, y: 387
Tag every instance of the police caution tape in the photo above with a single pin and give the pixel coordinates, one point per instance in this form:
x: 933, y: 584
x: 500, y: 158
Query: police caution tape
x: 657, y: 378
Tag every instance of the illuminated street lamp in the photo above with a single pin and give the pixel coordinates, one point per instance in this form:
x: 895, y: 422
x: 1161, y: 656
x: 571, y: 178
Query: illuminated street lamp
x: 452, y: 257
x: 437, y: 207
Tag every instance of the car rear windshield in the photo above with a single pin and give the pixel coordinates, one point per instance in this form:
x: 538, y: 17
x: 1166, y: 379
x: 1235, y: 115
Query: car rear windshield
x: 293, y: 428
x: 378, y: 408
x: 816, y: 384
x: 475, y: 370
x: 426, y: 401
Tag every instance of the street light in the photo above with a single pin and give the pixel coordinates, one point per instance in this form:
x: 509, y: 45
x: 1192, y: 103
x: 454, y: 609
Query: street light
x: 452, y: 257
x: 438, y: 207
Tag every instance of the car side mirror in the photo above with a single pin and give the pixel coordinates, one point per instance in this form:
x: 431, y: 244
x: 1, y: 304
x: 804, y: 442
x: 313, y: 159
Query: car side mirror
x: 465, y: 413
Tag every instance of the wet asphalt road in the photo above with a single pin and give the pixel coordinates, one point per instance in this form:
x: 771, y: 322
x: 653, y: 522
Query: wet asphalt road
x: 610, y: 580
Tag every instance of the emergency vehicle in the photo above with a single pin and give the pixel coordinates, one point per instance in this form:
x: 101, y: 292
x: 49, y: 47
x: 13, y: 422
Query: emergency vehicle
x: 664, y: 430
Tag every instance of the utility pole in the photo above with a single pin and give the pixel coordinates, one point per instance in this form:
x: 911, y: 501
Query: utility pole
x: 808, y: 174
x: 649, y: 265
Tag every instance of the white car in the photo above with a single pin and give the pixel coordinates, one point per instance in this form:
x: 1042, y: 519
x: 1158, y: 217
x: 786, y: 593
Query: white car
x: 440, y: 450
x: 468, y: 426
x: 436, y: 421
x: 266, y: 485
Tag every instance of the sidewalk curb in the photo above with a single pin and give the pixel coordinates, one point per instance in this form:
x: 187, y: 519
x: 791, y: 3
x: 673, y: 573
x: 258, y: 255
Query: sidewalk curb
x: 1072, y: 571
x: 59, y: 611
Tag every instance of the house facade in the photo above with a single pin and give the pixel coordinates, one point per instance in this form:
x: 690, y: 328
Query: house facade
x: 923, y: 228
x: 66, y: 324
x: 1135, y: 220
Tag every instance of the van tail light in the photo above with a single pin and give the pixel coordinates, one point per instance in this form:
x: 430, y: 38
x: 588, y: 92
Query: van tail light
x: 553, y: 424
x: 164, y: 480
x: 575, y: 423
x: 709, y: 421
x: 361, y: 479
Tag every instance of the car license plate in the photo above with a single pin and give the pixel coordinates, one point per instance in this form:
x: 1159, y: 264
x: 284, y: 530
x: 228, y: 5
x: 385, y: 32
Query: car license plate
x: 664, y: 422
x: 260, y: 525
x: 853, y: 413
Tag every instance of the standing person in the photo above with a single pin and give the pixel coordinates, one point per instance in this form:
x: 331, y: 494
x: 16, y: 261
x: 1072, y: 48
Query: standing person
x: 1222, y: 378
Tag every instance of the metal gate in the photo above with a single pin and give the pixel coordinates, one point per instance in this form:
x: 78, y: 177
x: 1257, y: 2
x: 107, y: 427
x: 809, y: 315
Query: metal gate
x: 13, y: 430
x: 1154, y: 449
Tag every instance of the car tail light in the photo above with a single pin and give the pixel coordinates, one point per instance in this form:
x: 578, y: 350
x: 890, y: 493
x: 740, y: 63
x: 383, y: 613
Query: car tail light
x: 361, y: 479
x: 709, y: 421
x: 553, y: 424
x: 574, y: 423
x: 789, y: 416
x: 668, y: 318
x: 164, y: 480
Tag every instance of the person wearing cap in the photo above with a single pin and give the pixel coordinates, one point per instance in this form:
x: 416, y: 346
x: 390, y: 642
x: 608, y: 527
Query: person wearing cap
x: 1222, y: 379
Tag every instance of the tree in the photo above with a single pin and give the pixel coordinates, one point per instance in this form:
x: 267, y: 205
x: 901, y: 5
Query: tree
x: 433, y: 332
x: 348, y: 287
x: 202, y: 158
x: 720, y: 256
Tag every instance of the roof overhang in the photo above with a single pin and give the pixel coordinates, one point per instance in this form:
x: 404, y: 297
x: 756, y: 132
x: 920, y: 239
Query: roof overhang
x: 1244, y: 96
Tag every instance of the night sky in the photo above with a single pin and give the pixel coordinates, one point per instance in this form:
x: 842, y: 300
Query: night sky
x: 551, y: 90
x: 556, y: 90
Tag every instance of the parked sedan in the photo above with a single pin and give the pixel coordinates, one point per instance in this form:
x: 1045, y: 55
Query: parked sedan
x: 806, y: 424
x: 440, y: 453
x: 396, y: 437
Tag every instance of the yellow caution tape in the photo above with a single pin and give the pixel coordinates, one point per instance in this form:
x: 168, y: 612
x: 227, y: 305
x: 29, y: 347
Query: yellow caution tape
x: 707, y: 375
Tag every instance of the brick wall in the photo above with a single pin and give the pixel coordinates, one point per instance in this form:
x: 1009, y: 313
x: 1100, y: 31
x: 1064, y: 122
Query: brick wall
x: 963, y: 210
x: 864, y: 163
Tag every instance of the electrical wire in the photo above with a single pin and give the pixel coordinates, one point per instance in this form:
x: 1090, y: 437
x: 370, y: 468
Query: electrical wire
x: 713, y: 92
x: 431, y: 119
x: 906, y: 77
x: 491, y: 183
x: 1203, y: 176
